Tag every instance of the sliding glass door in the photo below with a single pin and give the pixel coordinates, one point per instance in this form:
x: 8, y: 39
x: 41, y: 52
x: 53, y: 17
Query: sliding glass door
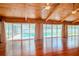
x: 73, y: 36
x: 28, y: 39
x: 20, y: 38
x: 52, y: 38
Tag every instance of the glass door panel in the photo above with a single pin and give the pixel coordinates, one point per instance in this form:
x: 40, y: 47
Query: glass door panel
x: 52, y: 38
x: 20, y: 38
x: 73, y: 35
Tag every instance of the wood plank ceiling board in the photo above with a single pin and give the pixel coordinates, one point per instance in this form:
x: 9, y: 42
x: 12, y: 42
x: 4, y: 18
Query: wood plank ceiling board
x: 61, y: 12
x: 76, y: 20
x: 44, y: 12
x: 70, y: 18
x: 76, y: 5
x: 74, y: 17
x: 12, y: 5
x: 21, y: 10
x: 15, y: 12
x: 51, y: 11
x: 30, y: 12
x: 37, y: 8
x: 38, y: 11
x: 58, y: 12
x: 77, y: 14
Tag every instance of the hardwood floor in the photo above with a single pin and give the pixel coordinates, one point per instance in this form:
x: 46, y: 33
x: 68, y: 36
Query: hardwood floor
x: 74, y: 52
x: 17, y: 50
x: 2, y: 50
x: 71, y: 52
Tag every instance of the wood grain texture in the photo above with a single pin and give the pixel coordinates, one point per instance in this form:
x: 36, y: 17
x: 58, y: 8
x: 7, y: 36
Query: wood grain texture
x: 39, y: 52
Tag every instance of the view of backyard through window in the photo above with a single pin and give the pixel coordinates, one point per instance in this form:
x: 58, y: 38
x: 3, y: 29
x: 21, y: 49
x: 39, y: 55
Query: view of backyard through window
x: 14, y: 30
x: 73, y: 36
x: 52, y: 37
x: 20, y: 38
x: 22, y: 35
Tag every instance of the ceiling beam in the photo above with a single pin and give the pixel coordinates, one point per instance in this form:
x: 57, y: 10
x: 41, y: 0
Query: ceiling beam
x: 51, y: 11
x: 33, y: 20
x: 63, y: 19
x: 76, y: 20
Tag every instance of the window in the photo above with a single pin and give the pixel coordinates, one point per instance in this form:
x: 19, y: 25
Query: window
x: 8, y: 28
x: 73, y: 36
x: 28, y: 31
x: 20, y: 38
x: 52, y: 37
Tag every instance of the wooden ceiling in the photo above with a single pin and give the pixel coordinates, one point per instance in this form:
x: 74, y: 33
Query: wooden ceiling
x: 59, y: 12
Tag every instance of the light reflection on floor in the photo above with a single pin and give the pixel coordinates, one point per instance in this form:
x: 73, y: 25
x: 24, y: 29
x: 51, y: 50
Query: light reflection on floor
x: 26, y: 47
